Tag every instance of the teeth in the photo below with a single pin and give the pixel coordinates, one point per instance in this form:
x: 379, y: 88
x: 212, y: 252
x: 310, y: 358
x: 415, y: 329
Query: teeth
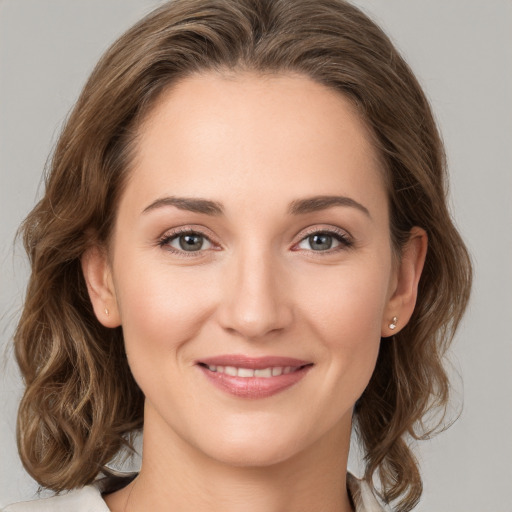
x: 230, y: 370
x: 264, y: 372
x: 249, y: 372
x: 246, y: 372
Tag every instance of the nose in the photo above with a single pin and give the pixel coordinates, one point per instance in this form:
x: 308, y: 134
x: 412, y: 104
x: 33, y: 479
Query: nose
x: 256, y: 301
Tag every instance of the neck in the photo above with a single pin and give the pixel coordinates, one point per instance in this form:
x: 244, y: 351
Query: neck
x: 176, y: 476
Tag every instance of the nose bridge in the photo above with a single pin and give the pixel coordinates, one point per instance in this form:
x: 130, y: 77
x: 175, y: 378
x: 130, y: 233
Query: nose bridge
x: 256, y: 303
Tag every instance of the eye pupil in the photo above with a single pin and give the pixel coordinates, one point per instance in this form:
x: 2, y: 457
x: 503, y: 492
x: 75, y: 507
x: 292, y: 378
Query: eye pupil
x: 320, y: 242
x: 191, y: 242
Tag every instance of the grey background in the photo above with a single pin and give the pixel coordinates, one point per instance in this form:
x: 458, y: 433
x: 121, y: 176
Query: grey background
x: 462, y: 53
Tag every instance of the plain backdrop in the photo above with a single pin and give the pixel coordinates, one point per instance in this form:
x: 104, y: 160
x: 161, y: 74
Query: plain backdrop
x: 461, y: 52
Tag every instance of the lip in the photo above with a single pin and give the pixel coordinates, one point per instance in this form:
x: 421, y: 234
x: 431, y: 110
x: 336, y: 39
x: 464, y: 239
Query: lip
x: 255, y: 363
x: 253, y: 387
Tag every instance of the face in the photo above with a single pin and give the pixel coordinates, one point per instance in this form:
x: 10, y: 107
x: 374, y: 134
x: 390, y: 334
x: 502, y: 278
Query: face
x: 253, y: 228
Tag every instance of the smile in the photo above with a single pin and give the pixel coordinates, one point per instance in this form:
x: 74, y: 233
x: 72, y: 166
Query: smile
x: 248, y: 377
x: 250, y: 372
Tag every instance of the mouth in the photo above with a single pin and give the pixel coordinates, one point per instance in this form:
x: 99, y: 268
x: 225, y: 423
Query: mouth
x: 247, y: 377
x: 266, y: 373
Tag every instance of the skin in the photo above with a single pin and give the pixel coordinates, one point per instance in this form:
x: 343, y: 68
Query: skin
x: 257, y: 287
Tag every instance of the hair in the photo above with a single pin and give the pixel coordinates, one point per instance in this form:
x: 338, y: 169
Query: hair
x: 81, y: 403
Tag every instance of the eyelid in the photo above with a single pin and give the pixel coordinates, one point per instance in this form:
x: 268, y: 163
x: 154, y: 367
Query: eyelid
x: 172, y: 233
x: 323, y: 228
x: 347, y: 241
x: 342, y: 235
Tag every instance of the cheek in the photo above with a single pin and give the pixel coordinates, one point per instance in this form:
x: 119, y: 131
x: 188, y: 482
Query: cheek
x: 347, y: 303
x: 345, y: 311
x: 160, y: 309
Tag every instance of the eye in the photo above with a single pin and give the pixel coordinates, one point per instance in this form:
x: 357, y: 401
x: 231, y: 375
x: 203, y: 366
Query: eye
x: 189, y: 241
x: 324, y: 241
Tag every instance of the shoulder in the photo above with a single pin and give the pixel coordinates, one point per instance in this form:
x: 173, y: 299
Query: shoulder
x: 89, y: 498
x: 363, y: 498
x: 85, y: 499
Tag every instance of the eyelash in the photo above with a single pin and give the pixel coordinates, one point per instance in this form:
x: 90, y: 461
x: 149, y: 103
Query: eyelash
x: 339, y: 235
x: 342, y: 237
x: 168, y: 237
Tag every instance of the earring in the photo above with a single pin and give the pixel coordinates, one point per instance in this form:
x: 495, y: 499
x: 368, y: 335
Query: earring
x: 393, y: 323
x: 107, y: 312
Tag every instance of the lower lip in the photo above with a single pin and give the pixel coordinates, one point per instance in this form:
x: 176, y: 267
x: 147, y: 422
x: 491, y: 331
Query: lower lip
x: 254, y: 387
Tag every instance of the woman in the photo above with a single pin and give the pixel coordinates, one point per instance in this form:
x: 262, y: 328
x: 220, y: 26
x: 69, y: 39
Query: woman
x: 232, y: 252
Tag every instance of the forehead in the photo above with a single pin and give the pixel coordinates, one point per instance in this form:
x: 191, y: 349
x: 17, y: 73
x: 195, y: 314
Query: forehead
x: 223, y: 136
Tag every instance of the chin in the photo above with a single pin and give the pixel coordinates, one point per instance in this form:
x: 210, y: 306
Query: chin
x: 254, y: 457
x: 258, y: 449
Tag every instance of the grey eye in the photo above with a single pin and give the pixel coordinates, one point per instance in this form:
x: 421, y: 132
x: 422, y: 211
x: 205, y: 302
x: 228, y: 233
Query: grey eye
x: 190, y: 242
x: 319, y: 242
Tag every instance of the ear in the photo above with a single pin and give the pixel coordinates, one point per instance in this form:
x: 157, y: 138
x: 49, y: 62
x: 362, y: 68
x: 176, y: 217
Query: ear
x: 405, y: 286
x: 100, y: 285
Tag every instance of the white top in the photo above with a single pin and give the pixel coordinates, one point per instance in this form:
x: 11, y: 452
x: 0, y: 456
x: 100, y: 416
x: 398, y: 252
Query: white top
x: 89, y: 498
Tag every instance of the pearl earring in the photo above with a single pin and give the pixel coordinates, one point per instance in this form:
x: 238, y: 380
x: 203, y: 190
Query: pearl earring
x: 393, y: 323
x: 107, y: 312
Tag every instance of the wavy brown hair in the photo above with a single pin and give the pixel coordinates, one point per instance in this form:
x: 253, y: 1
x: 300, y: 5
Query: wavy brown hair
x: 81, y: 403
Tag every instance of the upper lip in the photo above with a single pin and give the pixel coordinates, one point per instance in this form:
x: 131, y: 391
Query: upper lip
x: 256, y: 363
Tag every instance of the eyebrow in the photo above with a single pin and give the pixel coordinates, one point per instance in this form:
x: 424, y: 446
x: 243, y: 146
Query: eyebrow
x: 318, y: 203
x: 297, y: 207
x: 190, y: 204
